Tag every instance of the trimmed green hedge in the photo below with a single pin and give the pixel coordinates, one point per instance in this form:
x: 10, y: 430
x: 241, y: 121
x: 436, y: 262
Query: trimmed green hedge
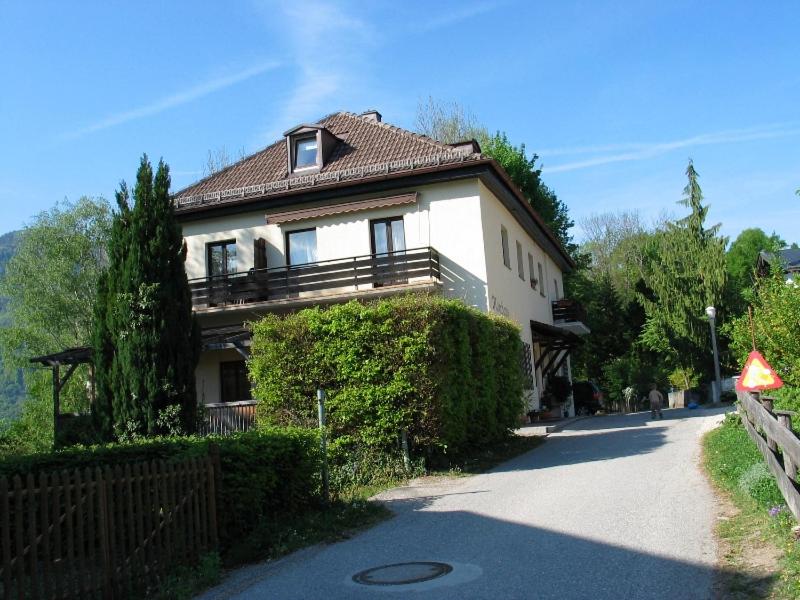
x: 264, y: 474
x: 446, y: 373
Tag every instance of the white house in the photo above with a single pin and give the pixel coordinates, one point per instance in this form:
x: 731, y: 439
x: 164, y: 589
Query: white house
x: 352, y: 207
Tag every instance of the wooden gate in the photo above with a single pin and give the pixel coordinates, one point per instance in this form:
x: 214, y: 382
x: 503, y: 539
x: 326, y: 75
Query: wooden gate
x: 104, y: 533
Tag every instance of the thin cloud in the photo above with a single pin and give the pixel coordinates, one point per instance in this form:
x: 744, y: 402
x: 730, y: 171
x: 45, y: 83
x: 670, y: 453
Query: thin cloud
x: 457, y: 16
x: 329, y: 47
x: 644, y: 151
x: 174, y: 100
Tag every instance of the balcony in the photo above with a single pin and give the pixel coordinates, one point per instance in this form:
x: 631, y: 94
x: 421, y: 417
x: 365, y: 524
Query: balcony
x: 296, y: 284
x: 227, y: 418
x: 570, y: 315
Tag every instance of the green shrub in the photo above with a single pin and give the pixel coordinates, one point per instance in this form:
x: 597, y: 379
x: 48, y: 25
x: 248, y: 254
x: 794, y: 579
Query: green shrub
x: 266, y: 473
x: 447, y: 374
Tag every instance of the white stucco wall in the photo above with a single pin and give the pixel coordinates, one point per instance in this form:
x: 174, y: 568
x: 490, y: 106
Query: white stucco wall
x: 462, y: 220
x: 446, y: 216
x: 508, y: 294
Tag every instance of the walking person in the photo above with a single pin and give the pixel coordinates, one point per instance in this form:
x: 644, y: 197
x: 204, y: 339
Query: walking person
x: 656, y: 401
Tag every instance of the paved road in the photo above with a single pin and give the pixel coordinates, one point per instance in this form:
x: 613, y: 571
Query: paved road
x: 612, y: 507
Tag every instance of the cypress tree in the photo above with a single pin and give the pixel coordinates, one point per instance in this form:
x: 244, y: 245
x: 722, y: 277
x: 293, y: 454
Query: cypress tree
x: 146, y: 337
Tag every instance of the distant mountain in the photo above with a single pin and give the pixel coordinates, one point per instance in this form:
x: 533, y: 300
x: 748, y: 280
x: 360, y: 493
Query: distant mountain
x: 12, y: 390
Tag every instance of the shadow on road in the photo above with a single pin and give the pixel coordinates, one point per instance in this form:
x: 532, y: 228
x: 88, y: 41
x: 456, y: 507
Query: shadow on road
x: 618, y: 421
x: 491, y: 558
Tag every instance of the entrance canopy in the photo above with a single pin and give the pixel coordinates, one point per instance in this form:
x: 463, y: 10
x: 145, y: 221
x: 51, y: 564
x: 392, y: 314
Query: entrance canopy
x: 555, y: 344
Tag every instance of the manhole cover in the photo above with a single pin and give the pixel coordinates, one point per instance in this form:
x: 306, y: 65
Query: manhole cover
x: 402, y: 573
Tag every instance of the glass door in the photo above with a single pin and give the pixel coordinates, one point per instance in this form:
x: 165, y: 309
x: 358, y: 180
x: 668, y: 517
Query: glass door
x: 388, y: 239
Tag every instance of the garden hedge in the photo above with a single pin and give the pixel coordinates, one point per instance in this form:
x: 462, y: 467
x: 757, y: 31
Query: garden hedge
x: 447, y: 374
x: 264, y: 474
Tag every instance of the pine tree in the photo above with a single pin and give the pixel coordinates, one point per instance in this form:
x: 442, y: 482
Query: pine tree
x: 146, y: 339
x: 684, y: 273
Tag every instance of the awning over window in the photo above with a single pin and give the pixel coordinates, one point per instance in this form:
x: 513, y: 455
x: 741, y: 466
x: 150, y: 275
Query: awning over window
x: 336, y: 209
x: 555, y: 345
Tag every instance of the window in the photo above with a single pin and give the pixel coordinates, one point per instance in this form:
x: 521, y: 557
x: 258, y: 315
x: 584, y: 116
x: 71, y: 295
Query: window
x: 541, y: 278
x: 221, y: 258
x: 388, y: 235
x: 520, y: 265
x: 504, y: 241
x: 234, y: 384
x: 555, y: 288
x: 388, y: 239
x: 305, y: 152
x: 534, y: 281
x: 301, y: 247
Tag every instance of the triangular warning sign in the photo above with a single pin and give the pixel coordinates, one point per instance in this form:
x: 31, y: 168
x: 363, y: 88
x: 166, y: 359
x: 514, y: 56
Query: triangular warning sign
x: 757, y: 375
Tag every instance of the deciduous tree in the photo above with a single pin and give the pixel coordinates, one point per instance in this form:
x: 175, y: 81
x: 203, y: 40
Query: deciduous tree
x: 48, y: 286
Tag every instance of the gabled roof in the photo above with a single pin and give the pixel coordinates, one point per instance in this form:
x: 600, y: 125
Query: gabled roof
x: 367, y: 152
x: 366, y: 148
x: 789, y: 258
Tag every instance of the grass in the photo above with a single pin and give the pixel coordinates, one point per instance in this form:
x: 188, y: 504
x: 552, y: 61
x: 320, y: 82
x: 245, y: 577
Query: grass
x: 761, y: 555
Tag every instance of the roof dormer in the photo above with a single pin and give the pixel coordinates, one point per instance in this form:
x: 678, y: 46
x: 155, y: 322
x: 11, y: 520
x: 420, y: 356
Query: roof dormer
x: 308, y: 147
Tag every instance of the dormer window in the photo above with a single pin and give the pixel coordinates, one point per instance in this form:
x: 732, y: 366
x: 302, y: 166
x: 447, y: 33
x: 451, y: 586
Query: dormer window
x: 305, y: 152
x: 308, y: 147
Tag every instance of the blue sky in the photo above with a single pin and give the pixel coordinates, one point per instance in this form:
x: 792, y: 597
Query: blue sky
x: 613, y: 96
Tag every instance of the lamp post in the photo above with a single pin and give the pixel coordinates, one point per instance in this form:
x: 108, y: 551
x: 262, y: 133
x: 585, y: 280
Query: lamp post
x: 712, y: 318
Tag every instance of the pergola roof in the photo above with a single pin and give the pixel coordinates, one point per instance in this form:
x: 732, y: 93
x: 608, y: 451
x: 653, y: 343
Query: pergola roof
x: 70, y: 356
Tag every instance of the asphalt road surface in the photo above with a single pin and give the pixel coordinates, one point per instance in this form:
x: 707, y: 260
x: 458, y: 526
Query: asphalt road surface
x: 611, y: 507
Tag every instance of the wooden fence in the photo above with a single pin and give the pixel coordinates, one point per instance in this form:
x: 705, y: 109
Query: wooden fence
x: 104, y: 533
x: 772, y: 433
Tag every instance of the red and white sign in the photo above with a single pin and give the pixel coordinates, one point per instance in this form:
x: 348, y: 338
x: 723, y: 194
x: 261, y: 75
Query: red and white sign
x: 757, y: 375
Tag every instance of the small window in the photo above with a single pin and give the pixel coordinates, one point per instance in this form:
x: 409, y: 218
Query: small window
x: 555, y: 287
x: 504, y: 240
x: 305, y: 152
x: 520, y: 265
x: 541, y: 278
x: 301, y: 247
x: 534, y: 281
x: 234, y: 384
x: 221, y: 258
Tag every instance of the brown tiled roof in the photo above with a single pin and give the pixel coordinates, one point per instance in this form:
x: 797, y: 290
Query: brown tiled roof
x: 366, y: 148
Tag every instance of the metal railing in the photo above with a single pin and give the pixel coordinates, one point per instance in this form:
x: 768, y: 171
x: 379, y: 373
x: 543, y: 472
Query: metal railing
x: 228, y: 417
x: 290, y: 281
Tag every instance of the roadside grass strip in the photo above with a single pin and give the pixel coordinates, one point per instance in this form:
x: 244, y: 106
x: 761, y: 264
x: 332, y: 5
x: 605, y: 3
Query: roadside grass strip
x: 757, y: 537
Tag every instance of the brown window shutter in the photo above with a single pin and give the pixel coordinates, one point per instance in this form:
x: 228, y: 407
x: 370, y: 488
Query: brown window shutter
x: 260, y: 253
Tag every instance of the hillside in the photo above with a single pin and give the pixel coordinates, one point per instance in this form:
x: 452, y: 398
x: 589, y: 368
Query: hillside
x: 11, y: 389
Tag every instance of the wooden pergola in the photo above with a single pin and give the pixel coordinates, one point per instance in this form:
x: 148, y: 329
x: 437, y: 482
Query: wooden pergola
x: 555, y: 345
x: 71, y: 358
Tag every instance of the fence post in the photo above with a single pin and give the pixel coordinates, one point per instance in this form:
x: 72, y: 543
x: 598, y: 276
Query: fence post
x: 406, y: 455
x: 323, y: 443
x: 785, y: 419
x: 767, y: 402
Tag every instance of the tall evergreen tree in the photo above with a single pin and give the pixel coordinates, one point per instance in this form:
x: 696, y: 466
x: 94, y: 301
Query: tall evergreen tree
x: 146, y: 338
x: 684, y: 273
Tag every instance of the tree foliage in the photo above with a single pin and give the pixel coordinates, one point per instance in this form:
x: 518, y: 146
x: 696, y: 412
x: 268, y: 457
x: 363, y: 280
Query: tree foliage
x: 450, y: 123
x: 146, y: 340
x: 49, y: 288
x: 684, y: 272
x: 741, y: 260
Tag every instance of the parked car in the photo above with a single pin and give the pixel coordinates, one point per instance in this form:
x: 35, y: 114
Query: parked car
x: 587, y: 397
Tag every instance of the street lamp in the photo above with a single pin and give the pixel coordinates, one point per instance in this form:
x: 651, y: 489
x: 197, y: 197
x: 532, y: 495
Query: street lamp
x: 712, y: 318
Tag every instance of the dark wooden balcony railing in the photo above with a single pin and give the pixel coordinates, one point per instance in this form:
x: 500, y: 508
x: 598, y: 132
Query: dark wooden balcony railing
x: 280, y: 283
x: 568, y: 310
x: 228, y: 417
